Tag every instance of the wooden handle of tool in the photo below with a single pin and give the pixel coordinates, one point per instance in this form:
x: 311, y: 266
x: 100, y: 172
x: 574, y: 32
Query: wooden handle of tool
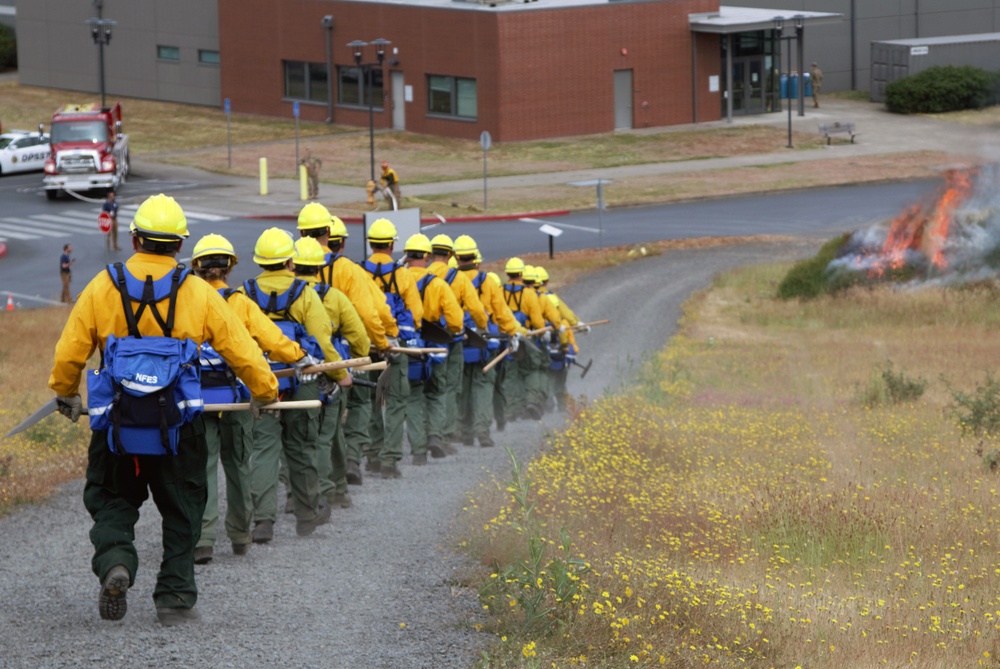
x: 325, y: 367
x: 583, y: 325
x: 532, y: 333
x: 497, y: 360
x: 243, y: 406
x: 416, y: 351
x: 374, y: 367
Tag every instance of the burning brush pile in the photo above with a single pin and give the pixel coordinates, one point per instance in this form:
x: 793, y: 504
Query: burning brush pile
x: 951, y: 237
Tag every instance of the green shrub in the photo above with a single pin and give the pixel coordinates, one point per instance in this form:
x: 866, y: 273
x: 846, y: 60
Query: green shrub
x: 942, y: 89
x: 8, y: 47
x: 888, y: 386
x: 977, y: 413
x: 808, y: 278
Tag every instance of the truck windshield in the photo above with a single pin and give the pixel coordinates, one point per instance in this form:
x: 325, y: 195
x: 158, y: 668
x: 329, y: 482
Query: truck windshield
x: 95, y: 132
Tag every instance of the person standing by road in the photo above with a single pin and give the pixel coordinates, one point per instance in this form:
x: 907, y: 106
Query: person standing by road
x: 312, y: 165
x: 112, y: 307
x: 816, y: 77
x: 66, y: 272
x: 389, y: 182
x: 111, y: 207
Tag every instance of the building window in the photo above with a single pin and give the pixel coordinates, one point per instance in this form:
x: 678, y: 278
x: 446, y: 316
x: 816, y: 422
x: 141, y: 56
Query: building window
x: 208, y: 57
x: 451, y: 96
x: 351, y: 81
x: 168, y: 52
x: 306, y: 81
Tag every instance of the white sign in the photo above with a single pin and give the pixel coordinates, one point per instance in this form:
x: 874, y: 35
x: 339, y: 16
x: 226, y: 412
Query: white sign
x: 550, y: 230
x: 485, y: 140
x: 919, y: 50
x: 713, y: 84
x: 408, y: 93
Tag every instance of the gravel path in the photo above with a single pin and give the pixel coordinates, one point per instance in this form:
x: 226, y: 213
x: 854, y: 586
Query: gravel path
x: 378, y: 587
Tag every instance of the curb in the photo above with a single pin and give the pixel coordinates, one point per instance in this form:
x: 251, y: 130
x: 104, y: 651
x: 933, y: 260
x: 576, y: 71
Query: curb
x: 427, y: 219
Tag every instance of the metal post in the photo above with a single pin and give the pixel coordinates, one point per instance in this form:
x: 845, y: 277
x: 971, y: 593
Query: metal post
x: 552, y: 247
x: 789, y: 97
x: 371, y: 120
x: 600, y: 214
x: 484, y: 183
x: 729, y: 78
x: 328, y: 24
x: 799, y: 32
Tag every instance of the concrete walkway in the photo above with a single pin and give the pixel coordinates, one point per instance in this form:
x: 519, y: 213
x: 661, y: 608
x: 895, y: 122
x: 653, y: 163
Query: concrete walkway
x: 880, y: 133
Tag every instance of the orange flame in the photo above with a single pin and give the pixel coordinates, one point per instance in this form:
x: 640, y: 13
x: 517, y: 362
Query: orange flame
x: 924, y: 228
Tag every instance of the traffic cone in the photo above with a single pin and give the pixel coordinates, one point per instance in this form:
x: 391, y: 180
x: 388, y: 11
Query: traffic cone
x: 10, y: 302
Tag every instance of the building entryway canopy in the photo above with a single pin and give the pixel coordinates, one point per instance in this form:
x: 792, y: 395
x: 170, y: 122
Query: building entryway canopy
x: 751, y: 52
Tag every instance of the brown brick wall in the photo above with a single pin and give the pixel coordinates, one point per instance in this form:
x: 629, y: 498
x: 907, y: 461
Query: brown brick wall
x: 539, y: 73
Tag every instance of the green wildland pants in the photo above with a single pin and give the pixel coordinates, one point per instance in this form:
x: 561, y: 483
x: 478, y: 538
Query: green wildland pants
x: 331, y: 454
x: 229, y: 438
x: 475, y: 411
x: 453, y: 384
x: 416, y: 417
x: 359, y: 417
x: 116, y: 487
x: 388, y: 431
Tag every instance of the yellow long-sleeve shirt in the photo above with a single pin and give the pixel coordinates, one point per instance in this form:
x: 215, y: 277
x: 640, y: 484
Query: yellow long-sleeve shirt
x: 567, y: 336
x: 268, y: 336
x: 564, y: 310
x: 524, y: 299
x: 493, y: 301
x: 406, y: 286
x: 549, y: 311
x: 465, y: 293
x: 439, y: 301
x: 307, y: 310
x: 354, y: 282
x: 344, y: 318
x: 201, y: 315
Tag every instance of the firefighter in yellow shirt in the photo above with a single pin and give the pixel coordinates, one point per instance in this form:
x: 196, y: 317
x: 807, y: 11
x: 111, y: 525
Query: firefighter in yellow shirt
x: 524, y: 385
x: 229, y: 435
x: 401, y: 294
x: 426, y: 409
x: 475, y: 317
x: 351, y: 340
x: 299, y: 312
x: 117, y: 485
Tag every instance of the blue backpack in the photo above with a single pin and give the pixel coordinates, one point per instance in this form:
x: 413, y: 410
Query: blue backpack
x: 273, y: 303
x: 420, y: 367
x: 340, y: 344
x: 404, y: 319
x: 147, y: 387
x: 219, y: 383
x: 475, y: 356
x: 516, y: 292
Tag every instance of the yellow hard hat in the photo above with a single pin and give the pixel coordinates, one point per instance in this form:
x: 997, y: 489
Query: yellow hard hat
x: 309, y: 252
x: 442, y: 242
x: 314, y: 216
x: 382, y: 231
x: 160, y: 219
x: 213, y: 245
x: 479, y: 257
x: 542, y: 274
x: 273, y: 246
x: 495, y: 277
x: 529, y: 273
x: 453, y: 262
x: 338, y: 229
x: 465, y: 245
x: 418, y: 242
x: 514, y: 266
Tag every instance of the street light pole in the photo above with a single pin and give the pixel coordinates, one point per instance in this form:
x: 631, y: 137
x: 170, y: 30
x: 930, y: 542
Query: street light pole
x: 100, y: 30
x: 779, y: 27
x: 366, y: 86
x: 799, y: 30
x: 327, y: 23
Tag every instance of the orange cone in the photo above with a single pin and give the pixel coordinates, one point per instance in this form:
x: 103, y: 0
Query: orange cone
x: 10, y: 302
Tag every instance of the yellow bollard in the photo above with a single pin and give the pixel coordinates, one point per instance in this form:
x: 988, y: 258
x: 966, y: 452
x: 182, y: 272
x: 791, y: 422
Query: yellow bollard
x: 303, y: 183
x: 263, y: 176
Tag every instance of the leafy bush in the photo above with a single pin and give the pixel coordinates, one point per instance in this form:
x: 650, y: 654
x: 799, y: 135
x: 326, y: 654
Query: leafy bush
x: 892, y: 387
x: 942, y: 89
x: 8, y: 47
x: 808, y: 278
x: 977, y: 413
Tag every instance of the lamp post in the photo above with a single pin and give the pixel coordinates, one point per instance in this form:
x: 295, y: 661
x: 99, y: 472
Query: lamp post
x: 357, y: 46
x: 779, y: 27
x: 100, y: 30
x: 799, y: 42
x: 327, y: 23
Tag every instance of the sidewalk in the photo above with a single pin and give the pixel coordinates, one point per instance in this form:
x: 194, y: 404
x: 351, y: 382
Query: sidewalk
x: 880, y: 133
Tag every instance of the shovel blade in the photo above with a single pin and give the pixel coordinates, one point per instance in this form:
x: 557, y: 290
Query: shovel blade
x: 46, y: 409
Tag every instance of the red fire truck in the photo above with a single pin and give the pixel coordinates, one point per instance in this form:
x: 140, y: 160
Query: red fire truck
x: 89, y: 150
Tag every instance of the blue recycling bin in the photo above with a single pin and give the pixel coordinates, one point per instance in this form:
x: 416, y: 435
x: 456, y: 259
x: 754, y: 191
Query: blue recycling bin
x: 807, y: 78
x: 793, y: 86
x: 784, y: 87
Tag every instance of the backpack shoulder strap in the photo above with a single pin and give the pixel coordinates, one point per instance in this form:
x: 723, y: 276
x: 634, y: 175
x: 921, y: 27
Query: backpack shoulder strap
x: 117, y: 273
x: 450, y: 276
x: 423, y: 283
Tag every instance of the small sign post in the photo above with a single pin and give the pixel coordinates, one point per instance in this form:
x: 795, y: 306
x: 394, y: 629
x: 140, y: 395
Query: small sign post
x: 229, y: 134
x: 486, y: 142
x: 295, y: 113
x: 552, y: 232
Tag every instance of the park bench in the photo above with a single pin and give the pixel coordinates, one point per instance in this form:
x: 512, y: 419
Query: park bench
x: 837, y: 128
